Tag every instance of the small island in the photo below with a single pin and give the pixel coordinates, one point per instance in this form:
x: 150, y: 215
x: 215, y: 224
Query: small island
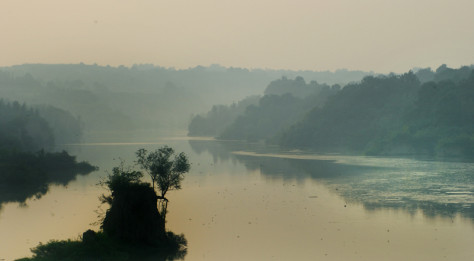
x: 134, y: 226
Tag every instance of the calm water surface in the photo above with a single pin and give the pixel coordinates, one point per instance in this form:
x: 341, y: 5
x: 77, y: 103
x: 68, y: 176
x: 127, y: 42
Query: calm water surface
x: 252, y: 202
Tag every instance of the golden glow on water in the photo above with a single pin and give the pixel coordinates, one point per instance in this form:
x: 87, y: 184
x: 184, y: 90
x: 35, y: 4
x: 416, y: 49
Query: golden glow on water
x: 253, y: 218
x: 61, y: 214
x: 238, y: 205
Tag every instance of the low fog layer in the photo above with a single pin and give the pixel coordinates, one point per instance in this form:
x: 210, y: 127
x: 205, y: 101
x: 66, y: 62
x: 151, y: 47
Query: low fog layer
x: 143, y: 96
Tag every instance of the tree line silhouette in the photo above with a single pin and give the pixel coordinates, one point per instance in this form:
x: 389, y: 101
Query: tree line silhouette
x: 27, y: 165
x: 424, y: 112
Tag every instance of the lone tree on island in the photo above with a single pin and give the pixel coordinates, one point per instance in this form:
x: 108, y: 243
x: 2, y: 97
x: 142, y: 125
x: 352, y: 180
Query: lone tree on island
x: 133, y: 215
x: 137, y: 213
x: 166, y: 169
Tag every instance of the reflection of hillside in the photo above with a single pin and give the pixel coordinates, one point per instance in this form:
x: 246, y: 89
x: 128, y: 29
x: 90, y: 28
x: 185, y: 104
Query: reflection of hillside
x: 21, y: 193
x: 220, y: 150
x: 431, y: 187
x: 26, y: 175
x: 430, y: 209
x: 302, y: 168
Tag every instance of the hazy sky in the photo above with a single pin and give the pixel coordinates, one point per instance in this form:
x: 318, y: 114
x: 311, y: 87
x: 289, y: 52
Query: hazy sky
x: 378, y: 35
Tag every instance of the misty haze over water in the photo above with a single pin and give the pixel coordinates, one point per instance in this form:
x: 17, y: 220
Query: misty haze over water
x: 253, y: 183
x: 230, y: 130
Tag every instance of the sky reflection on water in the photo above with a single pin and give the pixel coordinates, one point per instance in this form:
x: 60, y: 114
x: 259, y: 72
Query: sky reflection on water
x: 245, y: 201
x: 436, y: 188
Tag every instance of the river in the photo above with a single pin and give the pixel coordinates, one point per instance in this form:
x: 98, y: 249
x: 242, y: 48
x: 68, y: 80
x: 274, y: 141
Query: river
x: 244, y: 201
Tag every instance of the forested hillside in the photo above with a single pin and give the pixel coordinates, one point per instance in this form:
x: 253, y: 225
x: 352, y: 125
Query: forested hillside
x: 285, y: 101
x: 423, y: 112
x: 394, y: 115
x: 23, y: 128
x: 219, y: 118
x: 356, y: 115
x: 142, y: 96
x: 27, y: 166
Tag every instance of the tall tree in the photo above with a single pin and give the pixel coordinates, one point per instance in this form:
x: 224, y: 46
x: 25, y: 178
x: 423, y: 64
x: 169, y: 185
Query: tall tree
x: 166, y: 169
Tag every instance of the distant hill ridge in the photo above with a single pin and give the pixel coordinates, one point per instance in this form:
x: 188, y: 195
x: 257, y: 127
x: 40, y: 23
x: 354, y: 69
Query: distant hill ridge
x: 143, y: 96
x: 420, y: 112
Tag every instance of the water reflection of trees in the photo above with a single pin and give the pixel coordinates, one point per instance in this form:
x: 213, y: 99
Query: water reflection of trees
x: 29, y: 175
x: 433, y: 190
x: 221, y: 151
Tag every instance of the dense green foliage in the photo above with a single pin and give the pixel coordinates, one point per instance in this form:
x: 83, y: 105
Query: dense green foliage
x: 394, y: 115
x: 440, y: 123
x: 426, y: 112
x: 356, y: 115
